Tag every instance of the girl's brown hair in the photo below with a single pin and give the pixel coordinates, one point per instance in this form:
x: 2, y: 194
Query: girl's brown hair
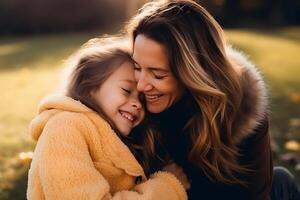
x: 195, y: 47
x: 91, y: 65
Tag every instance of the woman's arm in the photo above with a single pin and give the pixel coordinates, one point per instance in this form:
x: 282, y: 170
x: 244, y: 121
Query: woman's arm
x: 257, y: 154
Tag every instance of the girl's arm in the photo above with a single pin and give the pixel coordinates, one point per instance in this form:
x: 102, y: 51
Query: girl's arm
x: 64, y: 167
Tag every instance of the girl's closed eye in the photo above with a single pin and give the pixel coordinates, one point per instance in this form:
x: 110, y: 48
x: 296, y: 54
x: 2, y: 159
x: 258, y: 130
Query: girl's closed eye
x: 127, y: 91
x: 137, y: 67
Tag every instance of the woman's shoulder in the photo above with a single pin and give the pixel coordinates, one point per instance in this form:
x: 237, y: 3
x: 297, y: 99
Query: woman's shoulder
x: 254, y: 109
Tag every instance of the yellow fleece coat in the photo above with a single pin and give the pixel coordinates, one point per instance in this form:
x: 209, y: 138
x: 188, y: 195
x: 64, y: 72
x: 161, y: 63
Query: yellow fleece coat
x: 79, y: 156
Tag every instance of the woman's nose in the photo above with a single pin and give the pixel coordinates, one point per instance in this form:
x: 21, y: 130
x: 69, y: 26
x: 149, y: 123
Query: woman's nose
x: 143, y: 85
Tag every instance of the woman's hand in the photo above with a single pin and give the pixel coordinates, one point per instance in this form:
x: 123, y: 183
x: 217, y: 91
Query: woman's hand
x: 178, y: 172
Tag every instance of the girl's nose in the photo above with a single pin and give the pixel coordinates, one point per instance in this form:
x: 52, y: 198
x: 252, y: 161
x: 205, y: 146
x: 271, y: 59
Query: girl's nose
x: 136, y: 104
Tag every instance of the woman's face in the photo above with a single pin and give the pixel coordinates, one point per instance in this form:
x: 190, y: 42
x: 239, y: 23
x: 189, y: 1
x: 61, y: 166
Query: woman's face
x: 154, y: 76
x: 119, y: 99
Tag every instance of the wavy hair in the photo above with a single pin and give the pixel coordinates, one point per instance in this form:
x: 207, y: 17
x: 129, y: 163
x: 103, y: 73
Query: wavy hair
x: 91, y: 65
x: 195, y: 47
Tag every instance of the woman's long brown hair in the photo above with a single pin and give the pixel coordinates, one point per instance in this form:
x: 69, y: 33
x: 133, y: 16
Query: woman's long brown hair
x: 195, y: 47
x: 91, y: 65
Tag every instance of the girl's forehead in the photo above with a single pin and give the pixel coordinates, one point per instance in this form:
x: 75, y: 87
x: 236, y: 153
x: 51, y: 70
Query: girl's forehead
x: 128, y: 81
x: 125, y: 72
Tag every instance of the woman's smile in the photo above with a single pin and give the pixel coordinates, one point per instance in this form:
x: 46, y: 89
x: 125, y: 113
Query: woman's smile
x: 152, y: 98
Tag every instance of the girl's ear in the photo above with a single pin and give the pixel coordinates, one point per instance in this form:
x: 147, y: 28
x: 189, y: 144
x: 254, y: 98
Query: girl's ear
x: 92, y: 93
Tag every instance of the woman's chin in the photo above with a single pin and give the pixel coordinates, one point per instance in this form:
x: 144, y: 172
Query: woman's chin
x: 155, y: 108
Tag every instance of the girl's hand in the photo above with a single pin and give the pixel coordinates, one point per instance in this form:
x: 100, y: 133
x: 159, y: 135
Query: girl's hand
x: 178, y: 172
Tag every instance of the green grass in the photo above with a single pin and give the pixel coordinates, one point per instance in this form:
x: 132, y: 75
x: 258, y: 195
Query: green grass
x: 31, y: 67
x: 276, y: 52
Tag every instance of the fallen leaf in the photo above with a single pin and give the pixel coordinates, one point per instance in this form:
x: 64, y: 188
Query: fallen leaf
x: 295, y: 97
x: 25, y: 157
x: 292, y: 145
x: 297, y: 167
x: 294, y: 122
x: 290, y: 158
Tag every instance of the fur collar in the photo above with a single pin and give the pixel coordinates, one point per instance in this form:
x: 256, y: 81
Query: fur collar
x: 254, y: 105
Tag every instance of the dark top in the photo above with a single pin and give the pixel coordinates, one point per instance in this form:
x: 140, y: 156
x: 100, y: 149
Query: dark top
x: 255, y: 151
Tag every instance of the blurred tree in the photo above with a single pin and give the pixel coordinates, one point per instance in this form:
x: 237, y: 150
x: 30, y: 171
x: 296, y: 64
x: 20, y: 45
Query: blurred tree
x: 241, y: 13
x: 41, y: 16
x: 36, y: 16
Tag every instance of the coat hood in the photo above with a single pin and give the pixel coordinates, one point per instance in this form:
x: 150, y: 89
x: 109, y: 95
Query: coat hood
x: 50, y: 106
x: 254, y: 105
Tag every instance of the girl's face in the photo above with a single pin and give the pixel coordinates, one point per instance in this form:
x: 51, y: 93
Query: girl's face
x: 119, y: 99
x: 154, y: 76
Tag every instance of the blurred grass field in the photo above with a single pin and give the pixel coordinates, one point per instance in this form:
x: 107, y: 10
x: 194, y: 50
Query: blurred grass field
x: 31, y: 67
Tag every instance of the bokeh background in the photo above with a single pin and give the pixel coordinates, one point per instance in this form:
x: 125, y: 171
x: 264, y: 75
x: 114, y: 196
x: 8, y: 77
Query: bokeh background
x: 37, y: 36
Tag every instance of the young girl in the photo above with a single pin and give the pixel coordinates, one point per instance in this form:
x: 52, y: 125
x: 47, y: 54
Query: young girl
x: 81, y: 151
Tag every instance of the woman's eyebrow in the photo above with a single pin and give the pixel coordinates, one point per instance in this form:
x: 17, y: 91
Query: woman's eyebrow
x: 158, y: 69
x: 153, y: 68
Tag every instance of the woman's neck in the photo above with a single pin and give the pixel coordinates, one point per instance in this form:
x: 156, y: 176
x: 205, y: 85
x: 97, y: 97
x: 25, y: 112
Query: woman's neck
x: 178, y: 114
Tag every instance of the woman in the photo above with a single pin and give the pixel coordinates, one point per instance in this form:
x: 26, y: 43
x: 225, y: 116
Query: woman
x: 207, y: 100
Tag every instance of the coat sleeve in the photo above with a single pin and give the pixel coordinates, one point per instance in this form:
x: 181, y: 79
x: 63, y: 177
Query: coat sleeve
x: 259, y: 157
x: 161, y: 185
x: 66, y: 170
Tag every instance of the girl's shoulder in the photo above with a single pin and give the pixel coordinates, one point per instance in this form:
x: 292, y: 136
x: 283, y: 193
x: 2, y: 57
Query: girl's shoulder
x: 59, y: 113
x: 88, y: 124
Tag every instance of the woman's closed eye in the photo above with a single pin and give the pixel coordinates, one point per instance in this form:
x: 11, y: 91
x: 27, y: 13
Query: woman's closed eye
x: 159, y: 76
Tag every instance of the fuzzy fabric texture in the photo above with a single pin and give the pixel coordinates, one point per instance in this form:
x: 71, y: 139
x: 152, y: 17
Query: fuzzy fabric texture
x: 254, y: 105
x: 79, y: 156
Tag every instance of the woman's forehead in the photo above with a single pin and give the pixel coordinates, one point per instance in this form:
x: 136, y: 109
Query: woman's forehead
x: 149, y: 53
